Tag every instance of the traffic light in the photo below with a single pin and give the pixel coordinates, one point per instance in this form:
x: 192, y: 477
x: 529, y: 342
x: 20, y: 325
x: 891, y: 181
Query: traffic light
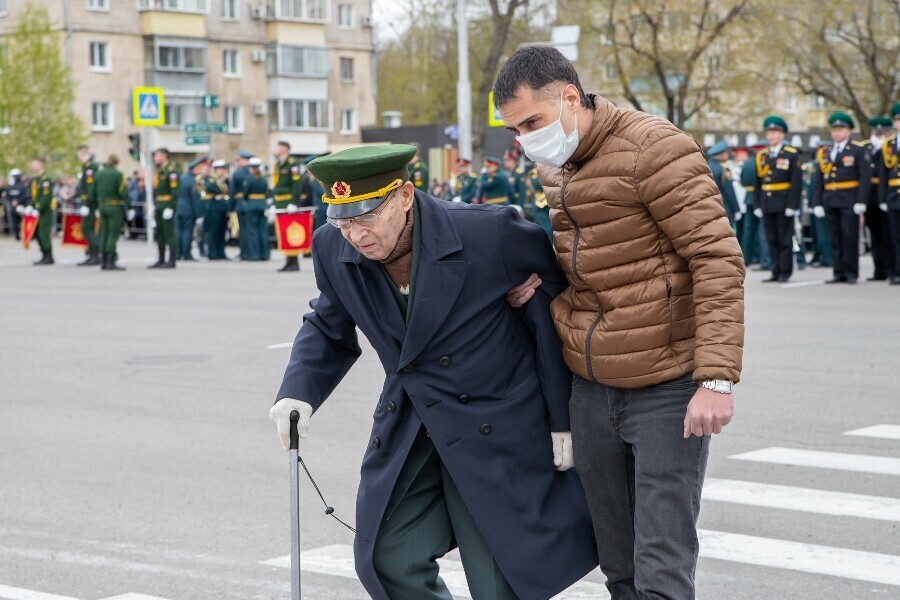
x: 135, y: 150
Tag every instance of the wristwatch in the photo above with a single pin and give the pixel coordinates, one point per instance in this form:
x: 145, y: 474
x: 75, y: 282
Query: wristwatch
x: 722, y: 386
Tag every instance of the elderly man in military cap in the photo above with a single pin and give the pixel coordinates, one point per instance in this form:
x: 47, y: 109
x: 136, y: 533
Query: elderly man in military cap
x: 841, y: 195
x: 470, y: 437
x: 779, y: 185
x: 876, y: 219
x: 889, y: 187
x: 717, y: 159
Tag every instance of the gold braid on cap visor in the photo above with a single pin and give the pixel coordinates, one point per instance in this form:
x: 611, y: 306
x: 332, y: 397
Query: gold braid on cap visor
x: 376, y: 194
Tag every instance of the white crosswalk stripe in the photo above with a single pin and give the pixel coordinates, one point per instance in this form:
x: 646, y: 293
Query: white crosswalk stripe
x: 887, y: 432
x: 861, y: 463
x: 8, y: 592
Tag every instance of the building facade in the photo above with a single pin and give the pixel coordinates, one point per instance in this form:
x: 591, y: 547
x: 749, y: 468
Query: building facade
x: 295, y: 70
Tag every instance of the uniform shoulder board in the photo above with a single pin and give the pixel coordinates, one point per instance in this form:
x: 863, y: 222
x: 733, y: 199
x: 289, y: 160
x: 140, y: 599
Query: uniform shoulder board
x: 173, y: 175
x: 891, y: 138
x: 520, y: 170
x: 790, y: 149
x: 860, y: 144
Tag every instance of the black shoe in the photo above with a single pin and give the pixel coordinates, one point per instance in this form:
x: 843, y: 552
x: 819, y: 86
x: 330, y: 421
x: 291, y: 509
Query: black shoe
x: 837, y: 280
x: 801, y: 267
x: 895, y: 280
x: 877, y: 278
x: 770, y: 279
x: 105, y: 264
x: 851, y: 280
x: 784, y: 278
x: 292, y: 264
x: 46, y: 259
x: 92, y: 260
x: 169, y: 264
x: 159, y: 261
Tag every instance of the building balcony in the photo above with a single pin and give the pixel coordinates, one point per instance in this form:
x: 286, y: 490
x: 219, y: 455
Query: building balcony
x: 185, y: 18
x: 177, y: 6
x: 299, y: 11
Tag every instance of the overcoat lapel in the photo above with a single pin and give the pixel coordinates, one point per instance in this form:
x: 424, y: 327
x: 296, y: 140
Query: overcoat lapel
x: 377, y: 291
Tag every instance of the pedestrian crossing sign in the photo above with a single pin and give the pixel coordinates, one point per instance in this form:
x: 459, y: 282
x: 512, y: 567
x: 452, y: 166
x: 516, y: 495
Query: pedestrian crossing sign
x: 147, y: 108
x: 494, y: 119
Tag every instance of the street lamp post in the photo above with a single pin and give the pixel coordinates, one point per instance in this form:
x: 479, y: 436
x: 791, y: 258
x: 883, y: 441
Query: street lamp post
x: 463, y: 85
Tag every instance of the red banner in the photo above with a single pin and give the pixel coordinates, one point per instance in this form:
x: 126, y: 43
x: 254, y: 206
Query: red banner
x: 72, y: 235
x: 29, y: 225
x: 293, y: 232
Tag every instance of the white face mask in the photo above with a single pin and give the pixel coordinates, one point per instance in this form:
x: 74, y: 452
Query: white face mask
x: 550, y: 145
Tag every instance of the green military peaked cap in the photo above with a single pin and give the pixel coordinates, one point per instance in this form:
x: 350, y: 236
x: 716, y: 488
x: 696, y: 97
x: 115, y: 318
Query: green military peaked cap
x: 775, y: 122
x: 880, y: 122
x: 895, y: 110
x: 841, y: 119
x: 718, y: 148
x: 358, y: 180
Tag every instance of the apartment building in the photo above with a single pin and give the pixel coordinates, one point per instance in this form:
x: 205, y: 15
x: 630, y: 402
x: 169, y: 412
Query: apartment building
x: 297, y: 70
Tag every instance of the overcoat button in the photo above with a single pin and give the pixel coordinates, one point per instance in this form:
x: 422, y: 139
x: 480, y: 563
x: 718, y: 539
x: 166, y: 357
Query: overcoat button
x: 376, y: 442
x: 463, y: 398
x: 391, y: 407
x: 445, y: 361
x: 407, y: 369
x: 485, y: 429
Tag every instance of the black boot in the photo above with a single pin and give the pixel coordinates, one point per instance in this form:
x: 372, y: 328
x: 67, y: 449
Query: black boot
x: 43, y: 259
x: 104, y: 265
x: 113, y: 256
x: 90, y: 260
x: 161, y: 261
x: 170, y: 264
x: 291, y: 264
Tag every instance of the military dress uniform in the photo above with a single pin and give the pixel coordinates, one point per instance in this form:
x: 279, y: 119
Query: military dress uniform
x: 540, y: 213
x: 216, y: 222
x: 843, y: 191
x: 465, y: 186
x: 779, y: 181
x: 205, y: 189
x: 239, y: 204
x: 85, y: 186
x: 110, y: 195
x: 493, y: 189
x: 165, y: 189
x: 17, y: 198
x: 187, y: 206
x: 889, y: 192
x: 724, y: 181
x: 288, y: 191
x: 821, y: 242
x: 44, y: 203
x: 753, y: 241
x: 516, y: 180
x: 256, y: 192
x: 418, y: 174
x: 877, y: 220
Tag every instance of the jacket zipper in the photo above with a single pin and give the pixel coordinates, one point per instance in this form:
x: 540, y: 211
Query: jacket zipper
x: 562, y: 202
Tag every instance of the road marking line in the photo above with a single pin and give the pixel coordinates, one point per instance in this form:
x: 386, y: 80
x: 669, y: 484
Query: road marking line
x: 861, y: 463
x: 802, y: 499
x: 337, y: 560
x: 277, y: 346
x: 802, y: 284
x: 797, y: 556
x: 133, y: 596
x: 886, y: 432
x: 14, y: 593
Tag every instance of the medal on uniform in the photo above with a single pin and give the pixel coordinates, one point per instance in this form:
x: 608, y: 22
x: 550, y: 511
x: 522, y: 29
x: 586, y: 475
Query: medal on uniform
x: 848, y: 161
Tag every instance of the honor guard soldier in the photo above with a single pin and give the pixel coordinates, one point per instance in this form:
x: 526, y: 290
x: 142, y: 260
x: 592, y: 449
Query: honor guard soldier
x: 516, y: 178
x: 493, y: 183
x: 717, y: 159
x: 821, y: 256
x: 287, y: 191
x: 876, y: 219
x: 205, y: 189
x: 217, y: 215
x: 111, y: 195
x: 188, y: 205
x: 466, y: 181
x: 418, y: 171
x: 889, y: 187
x: 17, y: 198
x: 779, y: 184
x: 165, y: 188
x: 540, y: 212
x: 257, y: 194
x: 86, y: 176
x: 43, y: 204
x: 238, y: 202
x: 841, y: 195
x: 753, y: 240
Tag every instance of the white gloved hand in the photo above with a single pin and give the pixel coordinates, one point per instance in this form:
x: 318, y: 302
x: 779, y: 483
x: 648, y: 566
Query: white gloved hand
x: 281, y: 415
x: 563, y: 459
x: 21, y: 209
x: 457, y: 198
x: 270, y: 201
x: 819, y: 211
x: 30, y: 211
x: 883, y: 207
x: 291, y: 208
x: 96, y: 214
x: 198, y: 221
x: 789, y: 212
x: 758, y: 213
x: 738, y: 216
x: 168, y: 213
x: 859, y: 209
x: 84, y: 211
x: 130, y: 214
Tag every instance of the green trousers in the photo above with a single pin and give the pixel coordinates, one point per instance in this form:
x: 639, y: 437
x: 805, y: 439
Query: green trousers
x: 87, y: 228
x: 165, y: 229
x: 110, y: 226
x: 425, y: 513
x: 44, y: 230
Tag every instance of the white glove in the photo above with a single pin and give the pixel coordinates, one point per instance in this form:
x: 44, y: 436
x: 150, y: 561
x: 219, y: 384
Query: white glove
x: 21, y: 209
x: 270, y: 216
x: 819, y: 211
x: 738, y: 216
x: 883, y: 207
x: 96, y: 214
x: 198, y: 221
x: 30, y: 211
x: 562, y: 450
x: 130, y: 214
x: 859, y: 209
x: 291, y: 208
x: 84, y: 211
x: 758, y: 212
x: 789, y: 212
x: 281, y: 415
x: 270, y: 201
x: 168, y: 213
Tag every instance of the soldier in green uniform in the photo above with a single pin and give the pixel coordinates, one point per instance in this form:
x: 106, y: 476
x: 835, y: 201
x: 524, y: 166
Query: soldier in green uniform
x: 876, y: 219
x: 493, y: 183
x: 110, y: 194
x: 466, y: 181
x: 717, y: 159
x: 165, y: 188
x: 889, y: 187
x: 418, y: 170
x: 43, y: 204
x: 288, y: 192
x: 238, y: 203
x: 821, y: 244
x: 540, y: 214
x: 749, y: 237
x: 85, y: 185
x: 217, y: 215
x: 516, y: 177
x: 204, y: 190
x: 256, y: 192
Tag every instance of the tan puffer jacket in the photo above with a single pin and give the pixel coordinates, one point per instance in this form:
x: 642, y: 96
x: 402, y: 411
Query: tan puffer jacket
x: 655, y: 270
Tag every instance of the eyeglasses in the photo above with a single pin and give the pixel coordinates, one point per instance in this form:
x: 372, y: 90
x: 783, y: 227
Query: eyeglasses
x: 370, y: 219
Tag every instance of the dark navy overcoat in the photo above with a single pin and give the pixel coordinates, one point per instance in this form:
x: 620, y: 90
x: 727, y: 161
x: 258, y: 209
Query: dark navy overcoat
x: 487, y: 381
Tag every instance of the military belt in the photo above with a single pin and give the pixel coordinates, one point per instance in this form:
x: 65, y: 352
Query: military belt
x: 750, y: 188
x: 256, y: 196
x: 894, y: 182
x: 841, y: 185
x: 775, y: 187
x: 112, y: 202
x: 496, y: 200
x: 239, y: 195
x: 876, y: 180
x: 283, y: 196
x: 165, y: 198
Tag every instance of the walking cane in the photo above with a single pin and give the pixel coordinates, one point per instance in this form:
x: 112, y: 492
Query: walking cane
x: 295, y: 509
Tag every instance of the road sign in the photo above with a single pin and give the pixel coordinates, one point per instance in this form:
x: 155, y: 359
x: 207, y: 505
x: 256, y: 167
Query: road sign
x: 494, y: 119
x: 206, y: 127
x: 147, y: 106
x: 210, y: 101
x: 194, y: 140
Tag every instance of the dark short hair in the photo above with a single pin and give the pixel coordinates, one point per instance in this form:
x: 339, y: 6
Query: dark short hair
x: 285, y: 144
x: 82, y: 147
x: 40, y: 159
x: 536, y: 67
x: 113, y: 160
x: 162, y: 151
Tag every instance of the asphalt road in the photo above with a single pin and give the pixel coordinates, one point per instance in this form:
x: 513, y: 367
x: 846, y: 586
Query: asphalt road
x: 137, y: 459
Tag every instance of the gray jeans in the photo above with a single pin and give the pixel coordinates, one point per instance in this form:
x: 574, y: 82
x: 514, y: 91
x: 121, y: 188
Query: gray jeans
x: 643, y: 481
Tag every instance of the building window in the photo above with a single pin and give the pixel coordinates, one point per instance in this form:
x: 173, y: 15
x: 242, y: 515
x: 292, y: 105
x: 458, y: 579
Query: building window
x: 101, y: 116
x: 304, y: 114
x: 302, y: 10
x: 345, y: 16
x: 180, y: 58
x: 100, y: 57
x: 98, y: 5
x: 231, y: 63
x: 3, y: 8
x: 297, y: 61
x: 348, y: 121
x: 790, y: 103
x: 231, y: 10
x: 611, y: 71
x: 181, y: 111
x: 193, y: 6
x: 815, y: 101
x: 234, y: 119
x: 346, y: 69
